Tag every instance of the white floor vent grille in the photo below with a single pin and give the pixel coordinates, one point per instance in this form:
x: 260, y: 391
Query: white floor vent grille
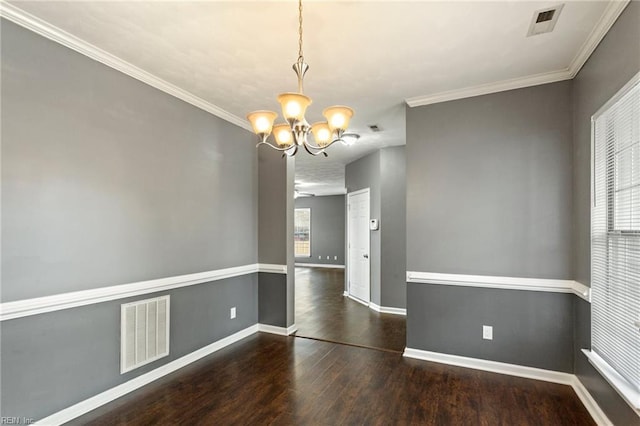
x: 144, y: 332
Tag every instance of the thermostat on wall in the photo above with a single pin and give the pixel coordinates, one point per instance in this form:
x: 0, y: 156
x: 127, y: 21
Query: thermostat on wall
x: 374, y: 225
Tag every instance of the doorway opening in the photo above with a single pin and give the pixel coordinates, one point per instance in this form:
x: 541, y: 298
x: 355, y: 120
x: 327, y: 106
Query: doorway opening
x: 332, y: 241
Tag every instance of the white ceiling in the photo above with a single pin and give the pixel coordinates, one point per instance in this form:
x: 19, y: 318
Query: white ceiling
x: 372, y: 56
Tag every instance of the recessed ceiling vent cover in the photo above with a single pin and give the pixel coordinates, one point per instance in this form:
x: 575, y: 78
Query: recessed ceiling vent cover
x: 544, y: 20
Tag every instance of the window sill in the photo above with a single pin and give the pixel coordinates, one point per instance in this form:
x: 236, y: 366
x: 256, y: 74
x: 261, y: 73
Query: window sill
x: 620, y: 384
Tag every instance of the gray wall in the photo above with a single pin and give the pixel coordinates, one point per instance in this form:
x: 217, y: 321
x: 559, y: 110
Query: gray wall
x: 52, y: 361
x: 327, y: 228
x: 393, y: 227
x: 489, y: 184
x: 106, y: 181
x: 529, y: 328
x: 489, y: 193
x: 272, y: 201
x: 610, y: 67
x: 275, y: 236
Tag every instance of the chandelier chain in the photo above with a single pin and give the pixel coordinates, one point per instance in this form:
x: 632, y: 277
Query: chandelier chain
x: 300, y: 55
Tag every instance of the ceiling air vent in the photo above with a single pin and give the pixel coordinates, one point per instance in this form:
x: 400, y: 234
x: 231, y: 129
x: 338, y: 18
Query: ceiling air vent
x: 544, y: 20
x: 374, y: 128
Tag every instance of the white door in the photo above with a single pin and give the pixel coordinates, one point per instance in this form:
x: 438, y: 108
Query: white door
x: 358, y: 244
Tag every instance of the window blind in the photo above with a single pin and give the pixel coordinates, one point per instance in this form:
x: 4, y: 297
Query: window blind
x: 615, y: 236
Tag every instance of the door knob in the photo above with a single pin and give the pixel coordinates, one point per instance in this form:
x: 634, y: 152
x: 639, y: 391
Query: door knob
x: 366, y: 256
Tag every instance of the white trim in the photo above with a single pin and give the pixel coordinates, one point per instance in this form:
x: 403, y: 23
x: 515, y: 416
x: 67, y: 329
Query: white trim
x: 345, y: 293
x: 493, y: 366
x: 615, y: 98
x: 355, y: 299
x: 320, y: 265
x: 57, y: 302
x: 359, y: 191
x: 608, y: 18
x: 45, y: 29
x: 590, y: 404
x: 282, y: 331
x: 495, y: 87
x: 348, y: 254
x: 519, y: 371
x: 109, y: 395
x: 387, y: 309
x: 272, y: 268
x: 18, y: 16
x: 624, y: 388
x: 505, y: 283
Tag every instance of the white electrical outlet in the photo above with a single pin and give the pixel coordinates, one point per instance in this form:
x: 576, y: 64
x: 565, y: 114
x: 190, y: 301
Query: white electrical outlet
x: 487, y: 332
x: 319, y: 257
x: 232, y: 314
x: 327, y: 257
x: 335, y: 257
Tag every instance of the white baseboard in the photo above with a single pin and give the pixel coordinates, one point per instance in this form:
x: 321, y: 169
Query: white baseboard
x: 387, y: 309
x: 320, y: 265
x: 376, y: 307
x: 590, y: 404
x: 282, y: 331
x: 520, y: 371
x: 109, y: 395
x: 355, y: 299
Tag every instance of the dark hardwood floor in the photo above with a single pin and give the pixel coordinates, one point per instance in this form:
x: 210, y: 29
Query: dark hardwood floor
x: 267, y: 379
x: 322, y: 312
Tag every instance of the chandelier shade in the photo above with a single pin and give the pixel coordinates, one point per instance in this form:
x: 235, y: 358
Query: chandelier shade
x: 296, y: 132
x: 338, y: 117
x: 321, y: 133
x: 294, y: 106
x: 282, y: 135
x: 262, y: 121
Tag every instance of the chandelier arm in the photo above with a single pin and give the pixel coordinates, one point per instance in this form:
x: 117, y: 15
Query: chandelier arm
x: 322, y: 148
x: 272, y: 146
x: 291, y: 151
x: 311, y: 151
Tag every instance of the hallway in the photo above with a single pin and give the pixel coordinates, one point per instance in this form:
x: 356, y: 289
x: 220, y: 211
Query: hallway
x: 324, y: 313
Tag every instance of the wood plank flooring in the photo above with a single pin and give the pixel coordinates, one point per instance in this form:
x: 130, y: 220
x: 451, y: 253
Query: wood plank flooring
x: 276, y: 380
x: 322, y: 312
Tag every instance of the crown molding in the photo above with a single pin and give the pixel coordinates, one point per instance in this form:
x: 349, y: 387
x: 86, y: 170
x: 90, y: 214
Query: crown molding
x: 485, y: 89
x: 608, y: 18
x: 26, y: 20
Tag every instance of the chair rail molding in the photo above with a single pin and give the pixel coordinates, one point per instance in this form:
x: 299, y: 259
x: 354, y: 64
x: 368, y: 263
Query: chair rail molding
x: 503, y: 283
x: 57, y: 302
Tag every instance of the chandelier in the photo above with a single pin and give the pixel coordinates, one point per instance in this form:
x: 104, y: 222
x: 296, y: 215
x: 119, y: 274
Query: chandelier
x: 297, y: 132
